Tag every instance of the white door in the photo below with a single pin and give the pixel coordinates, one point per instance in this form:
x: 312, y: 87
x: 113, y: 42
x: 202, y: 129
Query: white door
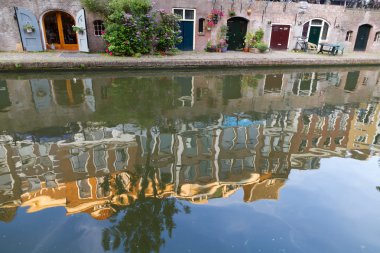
x: 82, y: 36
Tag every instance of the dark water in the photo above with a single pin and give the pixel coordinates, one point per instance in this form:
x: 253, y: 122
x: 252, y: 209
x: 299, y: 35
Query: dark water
x: 218, y: 161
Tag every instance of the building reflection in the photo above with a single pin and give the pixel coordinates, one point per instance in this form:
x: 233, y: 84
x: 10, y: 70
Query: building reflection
x: 210, y: 151
x: 84, y: 170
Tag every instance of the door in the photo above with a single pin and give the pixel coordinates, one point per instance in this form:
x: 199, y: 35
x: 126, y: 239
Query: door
x: 237, y: 29
x: 280, y: 37
x: 31, y: 39
x: 59, y: 33
x: 82, y: 36
x: 186, y: 22
x: 352, y: 81
x: 231, y: 87
x: 187, y: 33
x: 273, y: 83
x: 314, y: 34
x: 362, y: 38
x: 42, y: 97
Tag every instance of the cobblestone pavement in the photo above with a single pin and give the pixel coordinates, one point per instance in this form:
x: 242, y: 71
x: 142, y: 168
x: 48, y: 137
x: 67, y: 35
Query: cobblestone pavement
x: 46, y: 60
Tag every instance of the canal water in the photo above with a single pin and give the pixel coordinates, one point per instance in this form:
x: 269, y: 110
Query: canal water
x: 241, y: 160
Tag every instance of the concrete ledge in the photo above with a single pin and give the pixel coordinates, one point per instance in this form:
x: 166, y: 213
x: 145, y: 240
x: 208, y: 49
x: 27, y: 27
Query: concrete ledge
x: 77, y: 61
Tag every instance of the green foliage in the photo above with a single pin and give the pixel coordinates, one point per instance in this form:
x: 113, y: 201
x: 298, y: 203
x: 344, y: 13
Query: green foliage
x: 259, y: 35
x: 134, y: 7
x: 249, y: 39
x: 132, y: 30
x: 130, y: 38
x: 251, y: 80
x: 167, y: 32
x: 262, y: 47
x: 97, y: 6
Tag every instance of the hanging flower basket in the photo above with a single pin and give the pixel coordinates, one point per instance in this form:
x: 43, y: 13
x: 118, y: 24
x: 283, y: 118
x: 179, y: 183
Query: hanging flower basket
x: 78, y: 29
x: 28, y: 28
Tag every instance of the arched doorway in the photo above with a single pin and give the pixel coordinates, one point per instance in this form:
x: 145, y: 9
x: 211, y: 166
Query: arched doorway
x: 58, y: 31
x: 237, y: 29
x: 362, y: 37
x: 315, y: 30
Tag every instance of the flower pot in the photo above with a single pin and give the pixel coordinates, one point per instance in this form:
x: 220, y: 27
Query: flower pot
x: 29, y: 30
x: 208, y: 28
x: 224, y: 49
x: 211, y: 49
x: 218, y: 50
x: 246, y: 49
x: 249, y: 11
x: 254, y: 50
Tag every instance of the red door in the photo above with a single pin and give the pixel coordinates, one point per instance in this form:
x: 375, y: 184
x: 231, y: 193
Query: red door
x: 280, y: 36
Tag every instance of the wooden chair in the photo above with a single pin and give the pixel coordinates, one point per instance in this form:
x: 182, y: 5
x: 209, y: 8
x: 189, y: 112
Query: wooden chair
x: 340, y: 49
x: 311, y: 47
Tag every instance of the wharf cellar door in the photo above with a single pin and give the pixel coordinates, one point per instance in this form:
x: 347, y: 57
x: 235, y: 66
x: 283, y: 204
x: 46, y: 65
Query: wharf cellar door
x: 29, y: 30
x: 187, y: 27
x: 280, y: 37
x: 362, y: 37
x: 237, y: 29
x: 59, y: 33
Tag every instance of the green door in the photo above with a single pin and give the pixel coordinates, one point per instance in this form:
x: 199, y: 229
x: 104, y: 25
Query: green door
x: 314, y: 34
x: 237, y: 28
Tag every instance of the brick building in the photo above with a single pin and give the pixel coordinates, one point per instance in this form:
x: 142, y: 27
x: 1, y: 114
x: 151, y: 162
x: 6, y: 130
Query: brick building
x: 358, y: 29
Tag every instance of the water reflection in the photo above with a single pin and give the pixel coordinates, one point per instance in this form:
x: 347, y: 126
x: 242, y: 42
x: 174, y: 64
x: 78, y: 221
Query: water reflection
x: 129, y: 147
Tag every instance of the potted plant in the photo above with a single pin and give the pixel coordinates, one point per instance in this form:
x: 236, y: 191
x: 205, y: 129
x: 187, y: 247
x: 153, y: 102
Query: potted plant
x: 231, y: 12
x: 210, y: 47
x: 28, y: 28
x: 78, y: 29
x: 249, y: 41
x: 262, y: 47
x: 215, y: 15
x: 222, y: 38
x: 210, y: 25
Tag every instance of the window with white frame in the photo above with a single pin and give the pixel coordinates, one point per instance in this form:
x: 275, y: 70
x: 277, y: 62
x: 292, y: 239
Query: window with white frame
x: 98, y: 27
x: 185, y: 14
x: 324, y: 25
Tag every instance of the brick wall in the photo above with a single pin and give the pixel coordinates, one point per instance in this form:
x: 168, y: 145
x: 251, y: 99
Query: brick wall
x: 264, y: 14
x: 9, y: 34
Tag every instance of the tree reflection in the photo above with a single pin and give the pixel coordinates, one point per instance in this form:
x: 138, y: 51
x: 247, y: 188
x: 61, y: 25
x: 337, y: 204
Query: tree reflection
x: 140, y: 226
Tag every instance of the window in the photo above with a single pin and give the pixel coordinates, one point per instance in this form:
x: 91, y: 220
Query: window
x: 377, y: 37
x: 84, y: 189
x: 189, y: 14
x: 316, y: 30
x: 201, y: 25
x: 185, y: 14
x: 325, y: 30
x: 305, y: 29
x: 179, y: 12
x: 98, y: 27
x: 349, y: 36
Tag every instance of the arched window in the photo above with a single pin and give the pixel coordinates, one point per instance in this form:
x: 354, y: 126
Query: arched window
x: 377, y: 37
x: 349, y: 36
x: 201, y: 25
x: 98, y: 27
x: 316, y: 30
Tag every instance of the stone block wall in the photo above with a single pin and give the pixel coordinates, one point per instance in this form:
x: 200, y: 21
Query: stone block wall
x: 9, y: 33
x: 264, y: 15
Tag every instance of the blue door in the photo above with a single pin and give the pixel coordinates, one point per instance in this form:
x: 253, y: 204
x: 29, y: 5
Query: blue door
x: 31, y: 38
x: 187, y: 33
